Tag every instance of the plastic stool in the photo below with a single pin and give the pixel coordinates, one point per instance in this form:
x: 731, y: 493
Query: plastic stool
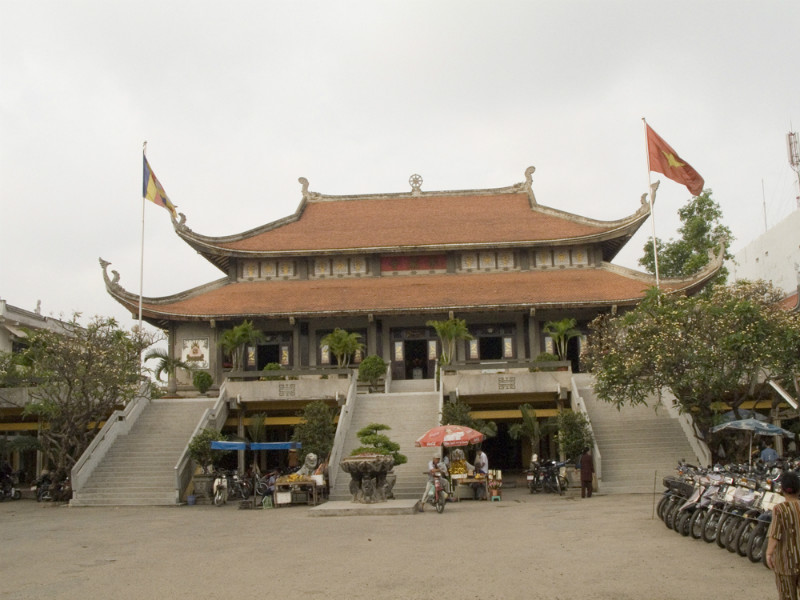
x: 498, y: 498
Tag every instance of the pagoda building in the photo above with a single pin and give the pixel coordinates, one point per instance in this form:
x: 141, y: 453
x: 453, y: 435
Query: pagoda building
x: 383, y: 265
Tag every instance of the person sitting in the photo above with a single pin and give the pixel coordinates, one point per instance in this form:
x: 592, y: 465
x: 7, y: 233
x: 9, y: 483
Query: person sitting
x: 481, y: 468
x: 768, y: 454
x: 435, y: 466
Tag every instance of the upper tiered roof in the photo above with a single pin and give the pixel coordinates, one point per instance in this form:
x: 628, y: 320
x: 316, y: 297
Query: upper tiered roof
x: 420, y: 221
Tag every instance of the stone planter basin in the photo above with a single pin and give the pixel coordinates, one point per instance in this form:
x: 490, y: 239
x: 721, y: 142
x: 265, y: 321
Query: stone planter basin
x: 367, y: 476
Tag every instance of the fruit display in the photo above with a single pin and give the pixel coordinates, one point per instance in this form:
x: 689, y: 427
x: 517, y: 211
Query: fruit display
x: 458, y: 467
x: 294, y: 478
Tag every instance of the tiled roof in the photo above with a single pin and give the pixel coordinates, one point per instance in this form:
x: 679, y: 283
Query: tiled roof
x: 407, y: 221
x: 386, y: 295
x: 790, y: 302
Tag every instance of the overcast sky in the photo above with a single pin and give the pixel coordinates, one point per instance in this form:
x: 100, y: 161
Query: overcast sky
x: 237, y: 100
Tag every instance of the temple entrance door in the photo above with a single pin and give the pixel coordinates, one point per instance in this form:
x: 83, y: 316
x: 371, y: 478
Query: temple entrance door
x: 268, y: 353
x: 416, y: 363
x: 491, y: 348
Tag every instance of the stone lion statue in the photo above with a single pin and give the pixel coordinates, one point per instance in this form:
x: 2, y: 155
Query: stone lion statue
x: 309, y: 465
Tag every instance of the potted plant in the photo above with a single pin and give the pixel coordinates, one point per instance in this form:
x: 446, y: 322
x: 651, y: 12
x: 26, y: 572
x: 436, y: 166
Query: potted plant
x: 544, y: 357
x: 273, y: 366
x: 167, y: 364
x: 342, y: 345
x: 449, y: 332
x: 371, y: 370
x: 562, y: 332
x: 494, y: 486
x: 234, y: 341
x: 202, y: 381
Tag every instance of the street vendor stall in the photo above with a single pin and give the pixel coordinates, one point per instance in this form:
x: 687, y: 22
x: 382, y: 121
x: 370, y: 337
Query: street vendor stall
x: 462, y: 474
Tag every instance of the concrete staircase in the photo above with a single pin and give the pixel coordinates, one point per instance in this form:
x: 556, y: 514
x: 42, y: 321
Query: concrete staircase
x: 139, y: 468
x: 638, y: 445
x: 409, y: 414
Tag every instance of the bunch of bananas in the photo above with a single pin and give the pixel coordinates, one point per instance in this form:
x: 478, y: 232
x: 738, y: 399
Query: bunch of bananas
x: 458, y: 467
x: 293, y: 478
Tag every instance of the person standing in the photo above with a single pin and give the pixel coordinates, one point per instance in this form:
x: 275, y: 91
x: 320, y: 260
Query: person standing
x: 482, y: 467
x: 783, y: 547
x: 587, y: 470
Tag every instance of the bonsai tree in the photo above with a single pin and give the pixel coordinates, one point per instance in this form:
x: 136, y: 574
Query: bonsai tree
x: 573, y: 434
x: 200, y: 448
x: 342, y: 345
x: 316, y: 430
x: 562, y: 332
x: 167, y: 364
x: 374, y: 442
x: 235, y: 340
x: 202, y: 380
x: 449, y: 332
x: 371, y: 369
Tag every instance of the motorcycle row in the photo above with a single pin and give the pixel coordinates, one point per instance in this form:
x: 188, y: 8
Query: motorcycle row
x: 730, y: 506
x: 546, y: 476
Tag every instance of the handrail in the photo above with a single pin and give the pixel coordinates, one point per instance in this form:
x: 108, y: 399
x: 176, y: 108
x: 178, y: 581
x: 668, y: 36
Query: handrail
x: 699, y: 446
x: 215, y: 416
x: 118, y: 423
x: 342, y: 427
x: 579, y: 405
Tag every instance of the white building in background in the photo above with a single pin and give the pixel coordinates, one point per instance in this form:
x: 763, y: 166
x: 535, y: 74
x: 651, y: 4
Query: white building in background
x: 13, y: 322
x: 773, y: 256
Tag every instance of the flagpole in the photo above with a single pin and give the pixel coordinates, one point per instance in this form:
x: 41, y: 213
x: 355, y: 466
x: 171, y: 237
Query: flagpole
x: 141, y: 253
x: 650, y: 196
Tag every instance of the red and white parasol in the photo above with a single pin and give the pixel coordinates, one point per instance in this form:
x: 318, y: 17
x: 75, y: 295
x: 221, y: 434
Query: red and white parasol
x: 450, y: 435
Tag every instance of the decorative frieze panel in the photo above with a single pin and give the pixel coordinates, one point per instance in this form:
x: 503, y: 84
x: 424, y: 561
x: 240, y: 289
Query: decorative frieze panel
x: 253, y: 270
x: 339, y: 266
x: 487, y: 261
x: 543, y: 258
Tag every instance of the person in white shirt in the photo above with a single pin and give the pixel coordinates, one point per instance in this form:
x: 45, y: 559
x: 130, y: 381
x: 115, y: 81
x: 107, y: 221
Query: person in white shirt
x: 481, y: 466
x: 434, y: 465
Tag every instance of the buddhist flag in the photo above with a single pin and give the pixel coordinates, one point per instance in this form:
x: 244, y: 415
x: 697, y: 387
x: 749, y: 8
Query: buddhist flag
x: 152, y: 190
x: 663, y: 159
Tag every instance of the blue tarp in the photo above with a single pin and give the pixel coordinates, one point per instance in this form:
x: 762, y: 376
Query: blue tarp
x: 254, y: 446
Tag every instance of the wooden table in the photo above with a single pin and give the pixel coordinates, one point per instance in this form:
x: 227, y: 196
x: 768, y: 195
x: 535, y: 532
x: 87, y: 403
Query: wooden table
x: 310, y: 487
x: 469, y: 481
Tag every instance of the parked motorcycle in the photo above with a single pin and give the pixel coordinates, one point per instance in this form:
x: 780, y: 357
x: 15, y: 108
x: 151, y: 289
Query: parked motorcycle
x: 435, y: 494
x: 220, y: 489
x: 239, y: 487
x: 9, y: 488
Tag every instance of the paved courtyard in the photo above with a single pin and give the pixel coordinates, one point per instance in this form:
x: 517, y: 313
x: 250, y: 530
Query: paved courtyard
x: 531, y: 547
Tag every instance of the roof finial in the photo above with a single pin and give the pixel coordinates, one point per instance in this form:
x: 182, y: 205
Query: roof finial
x: 415, y: 181
x: 304, y: 182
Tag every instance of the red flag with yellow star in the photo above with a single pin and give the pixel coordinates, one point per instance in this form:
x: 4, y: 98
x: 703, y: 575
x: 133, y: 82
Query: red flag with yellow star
x: 663, y: 159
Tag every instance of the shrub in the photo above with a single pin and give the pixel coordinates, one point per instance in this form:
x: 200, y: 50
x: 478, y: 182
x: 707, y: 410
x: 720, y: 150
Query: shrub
x: 202, y: 380
x: 371, y: 369
x: 200, y: 448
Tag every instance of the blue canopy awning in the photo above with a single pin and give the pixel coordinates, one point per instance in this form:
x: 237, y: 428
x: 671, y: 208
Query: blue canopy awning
x: 220, y: 445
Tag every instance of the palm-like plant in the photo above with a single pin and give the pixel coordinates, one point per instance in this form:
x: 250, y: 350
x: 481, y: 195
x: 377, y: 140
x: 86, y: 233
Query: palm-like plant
x: 562, y: 332
x: 234, y: 341
x: 167, y: 364
x: 342, y: 345
x: 449, y: 332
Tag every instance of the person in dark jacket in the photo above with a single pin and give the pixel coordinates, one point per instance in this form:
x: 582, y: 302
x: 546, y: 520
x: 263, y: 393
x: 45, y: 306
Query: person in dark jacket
x: 587, y: 469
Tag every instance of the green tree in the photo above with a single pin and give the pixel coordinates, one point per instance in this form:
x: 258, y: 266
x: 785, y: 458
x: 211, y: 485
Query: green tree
x: 713, y: 352
x: 234, y: 341
x: 371, y: 369
x: 574, y: 434
x: 200, y: 448
x: 342, y: 345
x: 374, y: 442
x: 167, y: 364
x: 701, y: 231
x: 202, y: 380
x: 316, y: 430
x: 449, y: 332
x: 459, y: 413
x: 528, y: 428
x: 562, y: 332
x: 79, y: 376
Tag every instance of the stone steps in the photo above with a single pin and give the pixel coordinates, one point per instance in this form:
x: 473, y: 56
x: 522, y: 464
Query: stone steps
x: 638, y: 445
x: 140, y: 468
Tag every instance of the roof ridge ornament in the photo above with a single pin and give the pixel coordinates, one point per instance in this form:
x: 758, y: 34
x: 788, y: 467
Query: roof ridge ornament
x: 529, y: 184
x: 415, y: 181
x: 304, y: 182
x: 112, y: 283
